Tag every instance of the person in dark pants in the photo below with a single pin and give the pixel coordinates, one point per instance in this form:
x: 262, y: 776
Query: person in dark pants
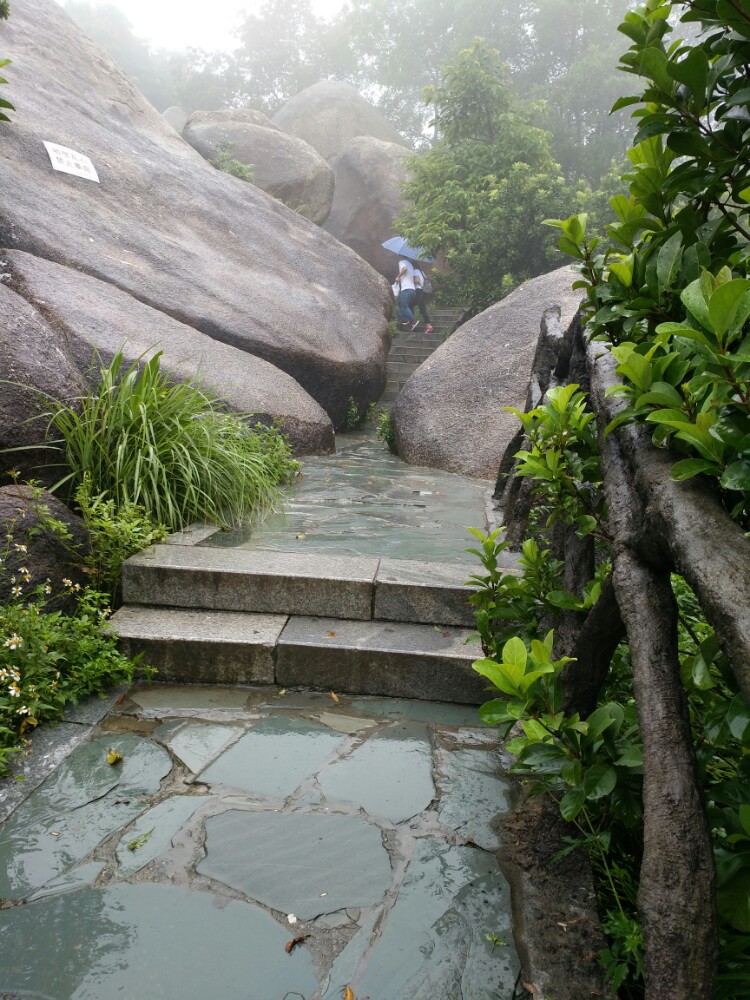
x: 408, y: 293
x: 420, y: 297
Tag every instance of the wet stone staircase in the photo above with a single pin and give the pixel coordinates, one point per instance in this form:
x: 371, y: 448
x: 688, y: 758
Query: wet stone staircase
x: 354, y: 624
x: 410, y: 349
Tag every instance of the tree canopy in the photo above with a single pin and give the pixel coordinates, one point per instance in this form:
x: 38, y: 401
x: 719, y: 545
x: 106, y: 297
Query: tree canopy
x: 481, y: 193
x: 562, y: 52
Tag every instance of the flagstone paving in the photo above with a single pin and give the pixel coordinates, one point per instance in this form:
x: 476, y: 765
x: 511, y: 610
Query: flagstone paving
x: 262, y: 845
x: 365, y: 501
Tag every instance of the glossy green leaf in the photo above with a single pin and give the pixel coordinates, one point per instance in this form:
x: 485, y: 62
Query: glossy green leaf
x: 737, y: 476
x: 690, y: 467
x: 571, y: 804
x: 599, y: 781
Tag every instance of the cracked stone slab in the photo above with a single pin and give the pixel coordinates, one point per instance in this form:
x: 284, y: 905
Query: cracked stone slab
x: 475, y: 788
x: 432, y: 945
x: 389, y: 775
x: 154, y: 831
x: 301, y: 863
x: 274, y: 757
x: 78, y: 807
x: 197, y: 744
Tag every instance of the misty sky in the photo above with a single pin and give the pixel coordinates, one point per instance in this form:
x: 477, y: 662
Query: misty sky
x: 170, y: 25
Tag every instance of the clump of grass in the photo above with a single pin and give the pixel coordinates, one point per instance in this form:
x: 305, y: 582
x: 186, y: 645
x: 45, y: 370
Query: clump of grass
x: 168, y: 448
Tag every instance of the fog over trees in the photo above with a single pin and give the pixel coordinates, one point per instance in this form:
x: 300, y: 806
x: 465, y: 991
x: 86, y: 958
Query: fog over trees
x: 560, y: 54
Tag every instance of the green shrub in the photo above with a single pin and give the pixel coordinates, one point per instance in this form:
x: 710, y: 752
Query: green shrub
x: 48, y: 658
x: 115, y: 534
x: 227, y: 164
x: 385, y: 429
x: 167, y: 448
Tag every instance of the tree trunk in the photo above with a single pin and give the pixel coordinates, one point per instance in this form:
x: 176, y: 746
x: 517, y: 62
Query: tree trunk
x: 677, y: 892
x: 709, y: 549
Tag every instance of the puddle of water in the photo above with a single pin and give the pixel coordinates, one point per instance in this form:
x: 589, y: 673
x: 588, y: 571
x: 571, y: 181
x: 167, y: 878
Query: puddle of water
x: 148, y: 941
x: 389, y: 775
x: 300, y: 863
x: 365, y: 501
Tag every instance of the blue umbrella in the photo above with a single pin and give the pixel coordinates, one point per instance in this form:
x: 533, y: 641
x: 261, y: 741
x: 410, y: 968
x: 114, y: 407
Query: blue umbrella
x: 398, y: 245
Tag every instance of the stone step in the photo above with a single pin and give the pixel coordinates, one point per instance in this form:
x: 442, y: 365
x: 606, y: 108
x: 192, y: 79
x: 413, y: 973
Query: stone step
x: 398, y: 369
x: 269, y: 582
x: 353, y: 657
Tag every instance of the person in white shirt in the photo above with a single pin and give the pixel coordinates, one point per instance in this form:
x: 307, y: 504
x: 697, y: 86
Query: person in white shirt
x: 408, y: 294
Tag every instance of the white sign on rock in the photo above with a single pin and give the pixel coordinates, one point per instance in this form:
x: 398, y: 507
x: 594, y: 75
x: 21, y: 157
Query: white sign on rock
x: 71, y: 162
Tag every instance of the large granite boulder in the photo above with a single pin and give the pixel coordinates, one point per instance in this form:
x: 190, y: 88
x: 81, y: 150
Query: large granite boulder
x: 329, y: 114
x: 285, y: 166
x: 98, y: 317
x: 450, y: 414
x: 369, y: 175
x: 35, y: 367
x: 163, y: 225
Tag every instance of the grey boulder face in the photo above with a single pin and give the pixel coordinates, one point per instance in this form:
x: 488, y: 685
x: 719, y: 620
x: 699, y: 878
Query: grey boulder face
x: 369, y: 174
x: 100, y: 318
x: 329, y: 114
x: 207, y: 249
x: 450, y: 414
x: 284, y: 166
x: 176, y: 116
x: 35, y: 363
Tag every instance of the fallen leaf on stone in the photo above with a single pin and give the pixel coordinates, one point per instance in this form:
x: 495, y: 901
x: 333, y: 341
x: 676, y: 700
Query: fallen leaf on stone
x: 55, y: 833
x: 291, y: 945
x: 300, y: 534
x: 331, y: 635
x: 137, y: 842
x: 113, y: 756
x: 335, y: 697
x: 348, y: 995
x: 533, y: 989
x: 282, y: 691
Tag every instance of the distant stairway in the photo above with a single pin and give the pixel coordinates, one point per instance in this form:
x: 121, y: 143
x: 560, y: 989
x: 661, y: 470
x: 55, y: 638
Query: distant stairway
x: 409, y: 350
x: 355, y: 624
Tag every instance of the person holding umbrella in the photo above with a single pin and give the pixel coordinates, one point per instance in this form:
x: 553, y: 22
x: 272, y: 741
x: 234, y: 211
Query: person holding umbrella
x: 408, y: 294
x: 405, y: 278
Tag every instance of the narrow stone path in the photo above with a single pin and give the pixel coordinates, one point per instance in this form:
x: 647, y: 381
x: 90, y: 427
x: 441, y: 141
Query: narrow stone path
x: 276, y: 842
x: 257, y: 844
x: 365, y: 501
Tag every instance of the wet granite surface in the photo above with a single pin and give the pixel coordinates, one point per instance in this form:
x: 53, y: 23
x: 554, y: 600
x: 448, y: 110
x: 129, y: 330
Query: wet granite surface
x: 200, y: 831
x: 364, y: 501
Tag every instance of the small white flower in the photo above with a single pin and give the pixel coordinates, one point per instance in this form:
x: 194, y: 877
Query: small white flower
x: 3, y: 674
x: 14, y: 691
x: 21, y: 548
x: 48, y: 589
x: 16, y: 591
x: 67, y: 582
x: 23, y: 710
x: 14, y: 642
